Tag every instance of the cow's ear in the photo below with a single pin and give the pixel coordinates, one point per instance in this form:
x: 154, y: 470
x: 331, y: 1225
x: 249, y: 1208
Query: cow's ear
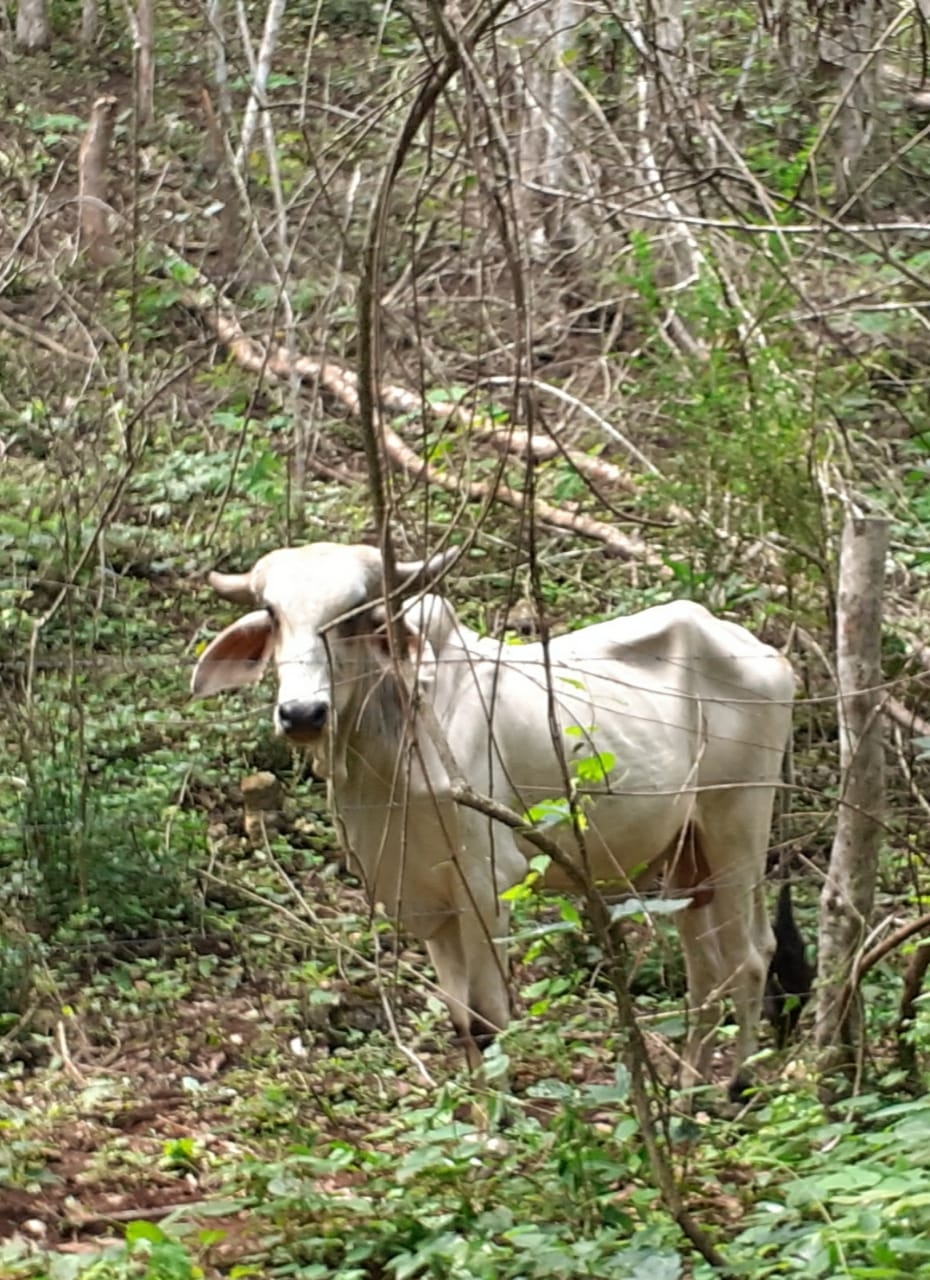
x: 236, y: 657
x: 422, y: 657
x: 419, y: 649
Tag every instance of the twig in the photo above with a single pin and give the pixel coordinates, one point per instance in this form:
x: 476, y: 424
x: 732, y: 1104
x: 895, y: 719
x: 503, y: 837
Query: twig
x: 913, y: 981
x: 260, y: 70
x: 559, y: 394
x: 905, y: 767
x: 414, y: 1059
x: 67, y: 1062
x: 32, y: 334
x: 907, y: 719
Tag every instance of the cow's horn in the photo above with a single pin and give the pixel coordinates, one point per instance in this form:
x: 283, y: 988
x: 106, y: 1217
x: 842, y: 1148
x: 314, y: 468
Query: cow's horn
x: 232, y: 586
x: 415, y: 575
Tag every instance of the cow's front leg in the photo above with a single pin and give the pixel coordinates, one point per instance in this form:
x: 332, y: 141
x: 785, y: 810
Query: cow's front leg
x: 471, y: 974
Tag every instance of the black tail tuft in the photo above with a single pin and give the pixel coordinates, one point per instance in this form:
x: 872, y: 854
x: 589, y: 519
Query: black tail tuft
x: 790, y: 975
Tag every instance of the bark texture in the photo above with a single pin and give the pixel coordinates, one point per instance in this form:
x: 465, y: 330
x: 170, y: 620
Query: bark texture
x: 145, y: 61
x: 847, y: 58
x: 90, y: 22
x: 95, y: 238
x: 32, y: 25
x: 545, y: 140
x: 849, y: 891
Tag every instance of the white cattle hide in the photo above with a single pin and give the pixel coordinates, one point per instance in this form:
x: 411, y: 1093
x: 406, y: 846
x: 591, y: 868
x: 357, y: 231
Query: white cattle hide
x: 690, y: 716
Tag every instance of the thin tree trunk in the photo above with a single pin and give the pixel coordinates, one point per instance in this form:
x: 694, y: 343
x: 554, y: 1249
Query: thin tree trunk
x: 94, y: 237
x: 260, y: 72
x: 141, y: 24
x: 544, y: 137
x: 145, y: 61
x: 849, y: 891
x: 913, y: 981
x: 90, y: 21
x: 846, y: 52
x: 229, y: 238
x: 32, y: 26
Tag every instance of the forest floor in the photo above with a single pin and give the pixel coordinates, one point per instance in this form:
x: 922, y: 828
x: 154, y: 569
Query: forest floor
x: 215, y: 1060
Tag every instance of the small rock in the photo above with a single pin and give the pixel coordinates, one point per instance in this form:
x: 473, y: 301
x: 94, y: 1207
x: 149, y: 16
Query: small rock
x: 262, y: 796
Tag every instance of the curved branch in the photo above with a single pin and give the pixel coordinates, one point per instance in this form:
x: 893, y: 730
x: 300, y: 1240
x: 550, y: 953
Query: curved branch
x: 279, y: 364
x: 894, y: 940
x: 436, y: 81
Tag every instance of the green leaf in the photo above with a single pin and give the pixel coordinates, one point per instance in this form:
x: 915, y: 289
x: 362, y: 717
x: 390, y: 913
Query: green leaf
x: 549, y: 813
x: 648, y: 907
x: 143, y: 1230
x: 603, y: 1094
x: 876, y: 321
x: 569, y: 913
x: 595, y: 768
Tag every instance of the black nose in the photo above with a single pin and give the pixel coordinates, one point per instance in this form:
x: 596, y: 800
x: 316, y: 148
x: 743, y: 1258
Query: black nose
x: 302, y: 717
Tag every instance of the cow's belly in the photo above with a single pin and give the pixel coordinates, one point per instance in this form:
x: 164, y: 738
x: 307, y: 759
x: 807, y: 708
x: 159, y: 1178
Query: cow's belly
x: 623, y: 836
x: 634, y: 815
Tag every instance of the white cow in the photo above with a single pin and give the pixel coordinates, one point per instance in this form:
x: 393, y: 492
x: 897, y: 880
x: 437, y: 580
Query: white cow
x: 689, y: 716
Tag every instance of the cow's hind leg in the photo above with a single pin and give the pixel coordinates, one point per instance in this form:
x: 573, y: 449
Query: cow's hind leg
x: 748, y: 981
x: 697, y: 930
x: 735, y: 943
x: 729, y: 942
x: 727, y: 947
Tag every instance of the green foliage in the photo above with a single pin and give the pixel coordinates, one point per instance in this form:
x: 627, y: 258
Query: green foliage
x: 17, y: 958
x: 744, y: 444
x: 839, y: 1197
x: 778, y: 156
x: 335, y: 1161
x: 747, y: 439
x: 50, y: 130
x: 150, y: 1253
x: 82, y: 857
x: 587, y: 771
x: 433, y: 1197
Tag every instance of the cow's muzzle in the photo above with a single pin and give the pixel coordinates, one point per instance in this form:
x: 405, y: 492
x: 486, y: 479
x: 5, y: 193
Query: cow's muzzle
x: 302, y: 722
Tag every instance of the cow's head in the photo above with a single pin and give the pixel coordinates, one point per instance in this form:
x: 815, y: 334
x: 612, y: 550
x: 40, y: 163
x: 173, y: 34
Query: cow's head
x: 317, y: 613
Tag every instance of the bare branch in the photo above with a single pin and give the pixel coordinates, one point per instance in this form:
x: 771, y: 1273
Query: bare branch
x: 343, y: 384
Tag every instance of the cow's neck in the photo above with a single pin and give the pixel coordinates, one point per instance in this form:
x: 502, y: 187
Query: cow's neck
x: 376, y: 740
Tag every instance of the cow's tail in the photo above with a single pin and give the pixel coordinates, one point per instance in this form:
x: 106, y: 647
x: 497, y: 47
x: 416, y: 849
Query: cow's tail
x: 790, y: 976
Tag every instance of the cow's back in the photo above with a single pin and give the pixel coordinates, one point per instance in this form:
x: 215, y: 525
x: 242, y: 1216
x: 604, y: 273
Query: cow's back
x: 669, y: 701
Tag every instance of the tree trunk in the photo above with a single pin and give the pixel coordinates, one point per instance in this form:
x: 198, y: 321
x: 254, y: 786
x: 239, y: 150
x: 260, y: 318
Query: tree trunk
x: 32, y: 26
x: 145, y: 64
x: 260, y: 68
x: 90, y: 22
x: 544, y: 136
x: 846, y: 48
x: 94, y: 236
x: 848, y: 893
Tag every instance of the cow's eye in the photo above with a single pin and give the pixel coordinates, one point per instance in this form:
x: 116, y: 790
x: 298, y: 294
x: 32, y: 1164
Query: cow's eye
x: 269, y: 609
